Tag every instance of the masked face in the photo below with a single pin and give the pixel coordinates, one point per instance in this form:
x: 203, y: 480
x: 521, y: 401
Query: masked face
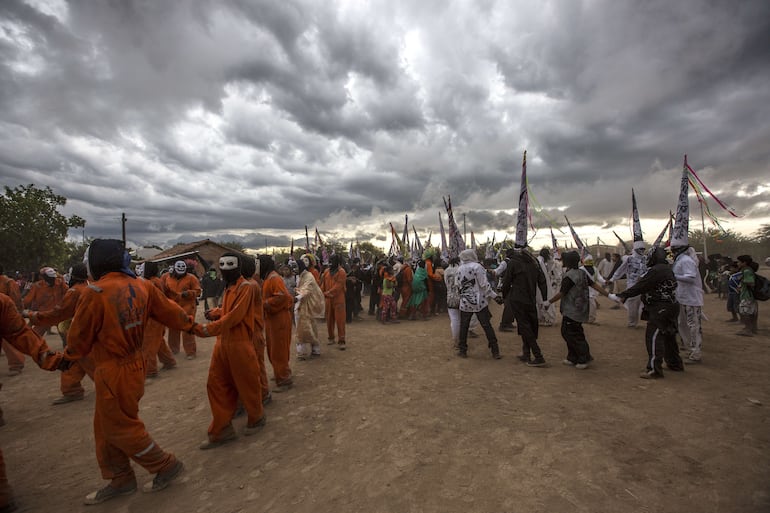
x: 306, y: 261
x: 229, y: 266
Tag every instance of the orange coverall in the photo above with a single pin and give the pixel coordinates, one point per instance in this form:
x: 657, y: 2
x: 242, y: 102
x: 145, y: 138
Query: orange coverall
x: 333, y: 287
x: 278, y: 304
x: 14, y: 329
x: 70, y: 382
x: 11, y: 289
x: 184, y: 291
x: 45, y: 297
x: 432, y: 279
x: 109, y: 324
x: 407, y: 275
x: 234, y: 368
x: 259, y: 335
x: 316, y: 275
x: 154, y: 345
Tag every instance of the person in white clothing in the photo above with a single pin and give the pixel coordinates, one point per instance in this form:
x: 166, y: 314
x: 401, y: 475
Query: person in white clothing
x: 475, y: 293
x: 634, y: 266
x: 689, y: 293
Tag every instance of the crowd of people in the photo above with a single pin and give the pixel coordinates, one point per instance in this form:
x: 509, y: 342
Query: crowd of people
x: 113, y: 320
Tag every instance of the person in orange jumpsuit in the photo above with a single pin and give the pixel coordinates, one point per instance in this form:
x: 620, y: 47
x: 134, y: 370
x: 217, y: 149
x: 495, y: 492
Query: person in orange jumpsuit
x: 11, y: 289
x: 154, y: 345
x: 250, y: 274
x: 278, y: 304
x: 14, y: 329
x: 333, y: 287
x: 433, y: 277
x: 109, y: 325
x: 183, y: 288
x: 45, y: 294
x: 70, y: 383
x: 407, y: 275
x: 234, y: 368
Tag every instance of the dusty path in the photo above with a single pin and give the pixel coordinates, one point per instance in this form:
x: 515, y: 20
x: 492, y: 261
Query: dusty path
x: 397, y: 424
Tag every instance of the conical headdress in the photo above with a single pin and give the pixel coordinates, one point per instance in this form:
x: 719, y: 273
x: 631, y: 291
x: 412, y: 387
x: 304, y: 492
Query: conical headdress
x: 638, y: 237
x: 682, y: 222
x: 521, y: 218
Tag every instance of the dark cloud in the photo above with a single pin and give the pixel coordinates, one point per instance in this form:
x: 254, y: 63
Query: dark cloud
x: 250, y: 119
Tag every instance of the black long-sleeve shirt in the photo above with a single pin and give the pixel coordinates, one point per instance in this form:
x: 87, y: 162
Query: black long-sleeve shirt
x: 523, y: 277
x: 658, y: 285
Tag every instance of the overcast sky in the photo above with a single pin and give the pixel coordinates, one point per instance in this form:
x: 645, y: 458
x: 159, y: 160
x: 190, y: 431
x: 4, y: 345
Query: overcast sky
x: 247, y: 119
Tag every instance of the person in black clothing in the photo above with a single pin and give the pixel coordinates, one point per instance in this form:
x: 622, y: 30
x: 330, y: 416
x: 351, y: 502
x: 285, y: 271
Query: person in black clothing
x: 523, y: 278
x: 506, y: 320
x: 375, y: 287
x: 658, y: 290
x: 354, y: 284
x: 213, y: 288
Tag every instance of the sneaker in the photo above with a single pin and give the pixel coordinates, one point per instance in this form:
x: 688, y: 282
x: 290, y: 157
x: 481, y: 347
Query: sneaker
x: 537, y: 362
x: 13, y: 372
x: 240, y: 411
x: 190, y: 357
x: 341, y: 345
x: 523, y: 358
x: 462, y: 354
x: 497, y: 356
x: 212, y: 444
x: 267, y: 399
x: 67, y: 399
x: 163, y: 479
x: 166, y: 367
x: 568, y: 362
x: 253, y: 429
x: 691, y: 360
x: 331, y: 342
x: 732, y: 320
x: 650, y: 375
x: 742, y: 333
x: 581, y: 366
x: 505, y: 328
x: 108, y: 492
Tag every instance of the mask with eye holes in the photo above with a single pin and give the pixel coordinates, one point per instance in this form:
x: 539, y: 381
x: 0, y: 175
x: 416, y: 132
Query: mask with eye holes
x: 230, y: 267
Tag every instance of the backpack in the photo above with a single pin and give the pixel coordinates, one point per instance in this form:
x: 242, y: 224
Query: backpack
x: 761, y: 288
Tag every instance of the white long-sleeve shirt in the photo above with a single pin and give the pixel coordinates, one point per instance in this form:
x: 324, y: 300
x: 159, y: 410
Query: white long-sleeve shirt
x: 689, y: 290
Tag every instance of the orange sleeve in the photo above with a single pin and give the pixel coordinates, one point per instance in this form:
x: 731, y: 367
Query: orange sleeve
x: 239, y: 309
x: 11, y: 289
x: 167, y: 312
x: 14, y: 329
x: 31, y: 296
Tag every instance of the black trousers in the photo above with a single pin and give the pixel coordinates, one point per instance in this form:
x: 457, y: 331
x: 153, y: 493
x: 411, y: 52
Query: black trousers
x: 660, y: 337
x: 527, y: 327
x: 578, y: 350
x: 374, y: 299
x: 507, y: 318
x: 485, y: 319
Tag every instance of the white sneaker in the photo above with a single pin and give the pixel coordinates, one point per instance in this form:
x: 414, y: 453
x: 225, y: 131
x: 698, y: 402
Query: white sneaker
x: 581, y: 366
x: 567, y: 362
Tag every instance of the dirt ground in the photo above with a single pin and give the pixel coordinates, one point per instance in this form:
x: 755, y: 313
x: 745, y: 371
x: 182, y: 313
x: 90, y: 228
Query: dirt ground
x: 397, y: 423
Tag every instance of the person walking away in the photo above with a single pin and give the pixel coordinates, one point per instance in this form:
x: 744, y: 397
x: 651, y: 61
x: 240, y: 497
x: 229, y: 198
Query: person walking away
x: 475, y: 293
x: 109, y: 325
x: 453, y: 300
x: 183, y: 288
x: 658, y: 290
x: 547, y: 316
x: 574, y: 310
x: 333, y: 284
x: 406, y: 276
x: 234, y: 369
x: 747, y: 303
x: 522, y: 283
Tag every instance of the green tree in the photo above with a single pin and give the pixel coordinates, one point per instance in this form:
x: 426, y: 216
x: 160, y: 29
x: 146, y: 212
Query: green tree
x: 32, y: 230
